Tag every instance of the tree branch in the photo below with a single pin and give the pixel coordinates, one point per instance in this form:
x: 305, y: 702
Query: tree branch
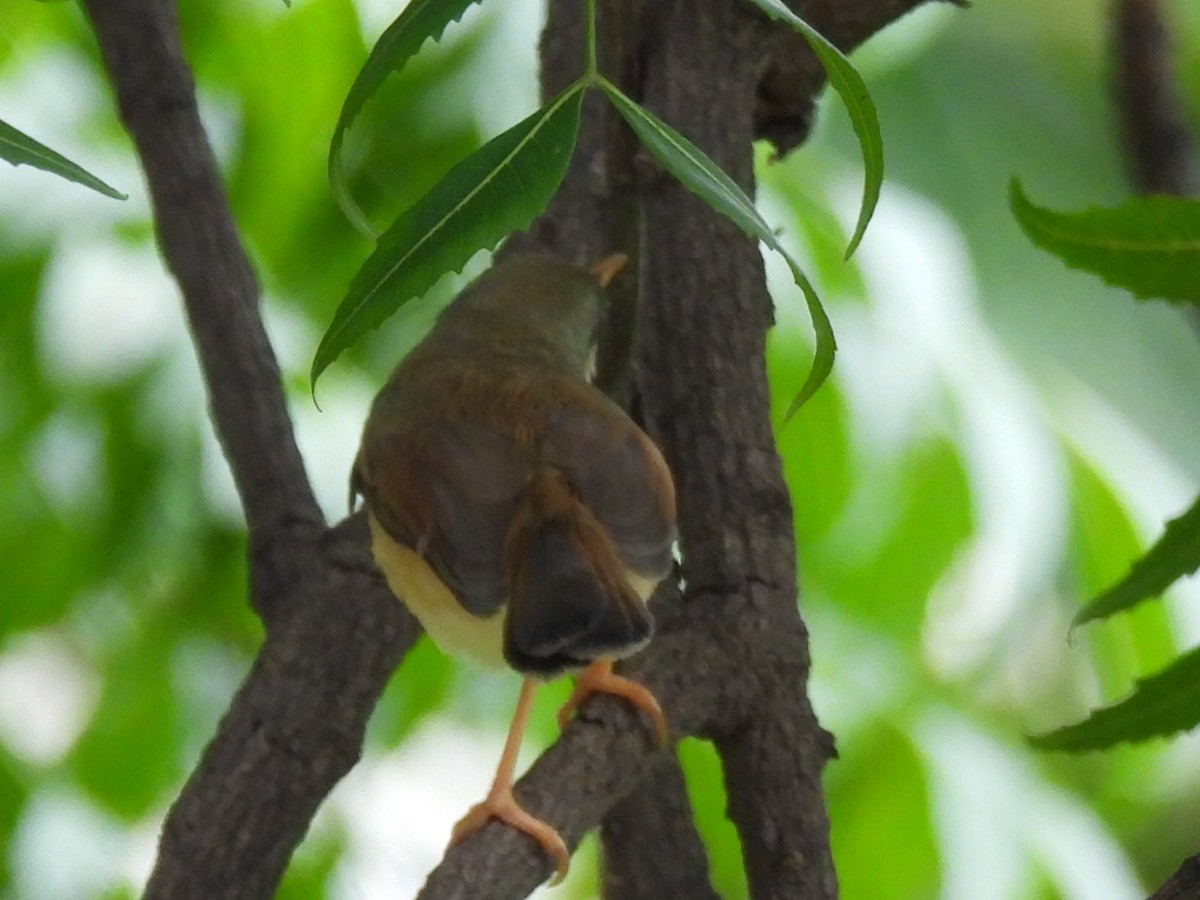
x: 787, y: 91
x: 1159, y: 148
x: 139, y: 40
x: 296, y: 725
x: 293, y: 729
x: 650, y: 848
x: 1183, y: 885
x: 706, y: 391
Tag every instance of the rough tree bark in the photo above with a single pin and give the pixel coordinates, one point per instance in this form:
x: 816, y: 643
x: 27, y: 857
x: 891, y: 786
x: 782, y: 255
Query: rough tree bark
x: 730, y: 660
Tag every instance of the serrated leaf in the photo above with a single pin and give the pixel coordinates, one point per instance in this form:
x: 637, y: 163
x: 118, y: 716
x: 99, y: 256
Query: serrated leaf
x: 844, y: 79
x: 706, y: 180
x: 1175, y: 554
x: 1148, y: 245
x: 1161, y: 705
x: 498, y: 189
x: 20, y: 149
x: 420, y: 21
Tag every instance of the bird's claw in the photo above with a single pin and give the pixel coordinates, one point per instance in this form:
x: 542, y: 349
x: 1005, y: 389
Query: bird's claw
x: 599, y: 678
x: 503, y: 806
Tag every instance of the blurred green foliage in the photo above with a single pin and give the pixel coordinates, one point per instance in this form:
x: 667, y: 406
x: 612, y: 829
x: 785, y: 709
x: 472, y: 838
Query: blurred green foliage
x: 1000, y: 438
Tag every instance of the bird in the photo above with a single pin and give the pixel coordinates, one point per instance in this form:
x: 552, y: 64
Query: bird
x: 520, y: 514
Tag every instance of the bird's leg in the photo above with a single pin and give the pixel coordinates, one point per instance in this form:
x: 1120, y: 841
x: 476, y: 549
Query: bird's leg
x: 599, y: 678
x: 500, y: 803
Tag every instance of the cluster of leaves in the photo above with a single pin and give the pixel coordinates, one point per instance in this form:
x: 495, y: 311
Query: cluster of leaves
x: 507, y: 182
x: 1149, y: 246
x: 504, y: 185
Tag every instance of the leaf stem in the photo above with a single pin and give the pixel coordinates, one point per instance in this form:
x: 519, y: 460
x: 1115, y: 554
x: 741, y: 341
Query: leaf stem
x: 590, y: 66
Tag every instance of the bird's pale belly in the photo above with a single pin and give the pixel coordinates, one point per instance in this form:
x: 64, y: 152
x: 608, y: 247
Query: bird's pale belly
x: 451, y: 627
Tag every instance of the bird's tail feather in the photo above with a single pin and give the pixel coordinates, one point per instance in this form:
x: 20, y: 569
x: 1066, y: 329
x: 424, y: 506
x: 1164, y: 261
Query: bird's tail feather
x: 570, y: 601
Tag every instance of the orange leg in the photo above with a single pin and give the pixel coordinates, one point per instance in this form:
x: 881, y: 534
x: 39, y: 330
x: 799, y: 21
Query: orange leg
x: 599, y: 678
x: 500, y: 803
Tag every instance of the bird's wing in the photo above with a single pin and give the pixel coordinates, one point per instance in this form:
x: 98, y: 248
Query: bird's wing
x: 619, y: 474
x: 448, y: 491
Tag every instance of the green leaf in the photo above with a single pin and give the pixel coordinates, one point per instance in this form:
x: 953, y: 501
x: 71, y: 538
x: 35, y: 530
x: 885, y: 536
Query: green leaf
x: 1175, y: 554
x: 1148, y: 245
x: 844, y: 79
x: 704, y: 178
x: 420, y: 21
x: 826, y: 343
x: 20, y: 149
x: 1161, y: 705
x: 498, y: 189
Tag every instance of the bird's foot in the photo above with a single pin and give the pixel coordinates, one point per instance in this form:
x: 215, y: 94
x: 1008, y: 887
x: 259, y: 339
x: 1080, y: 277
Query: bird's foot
x: 500, y: 804
x: 599, y: 678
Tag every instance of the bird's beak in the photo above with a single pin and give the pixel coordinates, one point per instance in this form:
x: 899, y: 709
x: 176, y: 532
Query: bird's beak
x: 608, y: 268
